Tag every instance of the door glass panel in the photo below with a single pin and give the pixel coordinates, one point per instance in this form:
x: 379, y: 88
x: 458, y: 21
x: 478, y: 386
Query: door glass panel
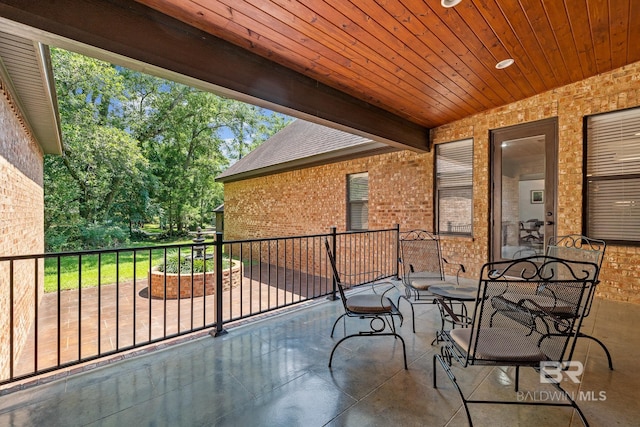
x: 523, y: 197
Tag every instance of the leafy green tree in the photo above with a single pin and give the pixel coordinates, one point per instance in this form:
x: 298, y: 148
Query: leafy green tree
x: 137, y: 146
x: 250, y: 127
x: 183, y: 139
x: 101, y: 164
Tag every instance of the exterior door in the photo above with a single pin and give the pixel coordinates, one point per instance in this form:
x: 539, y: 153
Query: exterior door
x: 523, y: 196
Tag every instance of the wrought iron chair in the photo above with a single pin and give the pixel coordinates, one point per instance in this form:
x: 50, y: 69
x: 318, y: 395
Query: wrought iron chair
x: 577, y: 247
x: 530, y: 232
x: 378, y: 309
x: 507, y: 332
x: 573, y: 247
x: 422, y: 267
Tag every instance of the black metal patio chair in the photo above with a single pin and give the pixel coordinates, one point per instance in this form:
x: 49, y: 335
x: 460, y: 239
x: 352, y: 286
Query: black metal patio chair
x: 378, y: 309
x: 577, y: 247
x: 422, y: 267
x: 517, y: 331
x: 573, y: 247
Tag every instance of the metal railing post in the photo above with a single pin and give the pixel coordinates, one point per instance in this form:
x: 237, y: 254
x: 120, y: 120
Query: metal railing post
x: 218, y: 294
x: 397, y: 251
x: 333, y: 296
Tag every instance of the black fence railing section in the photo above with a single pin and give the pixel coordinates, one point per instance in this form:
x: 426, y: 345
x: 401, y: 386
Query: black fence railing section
x: 62, y: 309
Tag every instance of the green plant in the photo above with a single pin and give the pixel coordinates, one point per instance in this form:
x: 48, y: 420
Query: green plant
x: 183, y: 265
x: 104, y: 235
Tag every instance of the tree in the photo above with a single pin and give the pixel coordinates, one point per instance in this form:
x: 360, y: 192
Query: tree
x: 250, y: 127
x: 136, y: 146
x: 182, y: 136
x: 102, y: 164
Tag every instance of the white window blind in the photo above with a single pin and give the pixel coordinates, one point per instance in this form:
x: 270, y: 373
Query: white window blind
x: 358, y: 206
x: 613, y: 176
x: 454, y: 187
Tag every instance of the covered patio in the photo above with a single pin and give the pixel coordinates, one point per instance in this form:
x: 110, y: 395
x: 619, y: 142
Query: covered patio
x: 412, y: 75
x: 273, y: 371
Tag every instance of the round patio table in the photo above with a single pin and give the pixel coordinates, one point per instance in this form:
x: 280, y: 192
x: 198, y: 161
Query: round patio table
x: 455, y: 292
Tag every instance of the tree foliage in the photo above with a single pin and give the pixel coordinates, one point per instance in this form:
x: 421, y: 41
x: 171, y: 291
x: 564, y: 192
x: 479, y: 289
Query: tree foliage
x: 137, y: 147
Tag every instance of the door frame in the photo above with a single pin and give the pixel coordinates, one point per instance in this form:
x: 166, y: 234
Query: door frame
x: 547, y: 127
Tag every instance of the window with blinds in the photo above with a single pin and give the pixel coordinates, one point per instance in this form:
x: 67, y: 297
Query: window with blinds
x: 454, y: 187
x: 358, y: 201
x: 613, y: 176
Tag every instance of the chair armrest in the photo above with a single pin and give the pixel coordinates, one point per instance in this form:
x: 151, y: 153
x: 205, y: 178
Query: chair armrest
x: 444, y: 306
x: 460, y: 269
x: 525, y: 311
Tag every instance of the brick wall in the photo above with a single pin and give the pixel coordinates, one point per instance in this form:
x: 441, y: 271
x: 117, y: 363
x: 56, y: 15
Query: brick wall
x: 401, y: 184
x: 312, y: 200
x: 170, y: 286
x: 620, y: 275
x: 21, y: 225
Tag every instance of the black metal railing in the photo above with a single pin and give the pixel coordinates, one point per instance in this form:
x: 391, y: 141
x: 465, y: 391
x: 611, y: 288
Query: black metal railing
x: 62, y: 309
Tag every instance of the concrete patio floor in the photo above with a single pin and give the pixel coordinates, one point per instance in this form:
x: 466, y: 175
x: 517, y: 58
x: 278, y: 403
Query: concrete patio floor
x: 273, y: 372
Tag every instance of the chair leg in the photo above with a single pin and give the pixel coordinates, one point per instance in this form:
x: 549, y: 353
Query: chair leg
x: 404, y: 352
x: 465, y: 401
x: 573, y: 403
x: 413, y: 317
x: 404, y: 348
x: 335, y: 323
x: 604, y: 347
x: 449, y: 372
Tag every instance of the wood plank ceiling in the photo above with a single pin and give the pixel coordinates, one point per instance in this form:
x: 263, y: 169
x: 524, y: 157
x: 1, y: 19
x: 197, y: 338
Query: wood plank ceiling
x: 414, y: 58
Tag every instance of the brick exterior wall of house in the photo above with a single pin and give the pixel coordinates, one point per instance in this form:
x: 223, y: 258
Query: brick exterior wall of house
x: 311, y: 200
x: 618, y: 89
x: 21, y: 225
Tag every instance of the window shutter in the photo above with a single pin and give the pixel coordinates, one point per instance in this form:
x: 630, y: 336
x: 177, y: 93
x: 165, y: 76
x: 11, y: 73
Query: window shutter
x: 614, y: 209
x: 613, y: 144
x: 613, y: 176
x: 358, y: 206
x: 454, y: 163
x: 454, y: 187
x: 359, y: 216
x: 358, y: 187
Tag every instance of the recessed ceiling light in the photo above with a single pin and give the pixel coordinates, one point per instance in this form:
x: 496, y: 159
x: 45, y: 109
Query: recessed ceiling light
x: 504, y: 63
x: 449, y: 3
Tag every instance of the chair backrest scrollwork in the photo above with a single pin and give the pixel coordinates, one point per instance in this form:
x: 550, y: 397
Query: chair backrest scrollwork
x: 533, y: 324
x: 420, y: 255
x: 576, y: 247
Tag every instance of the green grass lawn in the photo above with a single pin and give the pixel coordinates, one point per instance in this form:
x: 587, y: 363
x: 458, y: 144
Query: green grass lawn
x: 103, y: 269
x: 153, y: 228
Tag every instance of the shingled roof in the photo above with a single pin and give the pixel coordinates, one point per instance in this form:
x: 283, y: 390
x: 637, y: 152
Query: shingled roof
x: 301, y: 144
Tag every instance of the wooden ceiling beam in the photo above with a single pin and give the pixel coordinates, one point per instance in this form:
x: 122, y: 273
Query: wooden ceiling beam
x: 138, y: 32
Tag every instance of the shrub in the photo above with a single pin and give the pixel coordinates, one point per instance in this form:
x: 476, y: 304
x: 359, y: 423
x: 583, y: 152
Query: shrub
x: 184, y: 265
x: 105, y: 235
